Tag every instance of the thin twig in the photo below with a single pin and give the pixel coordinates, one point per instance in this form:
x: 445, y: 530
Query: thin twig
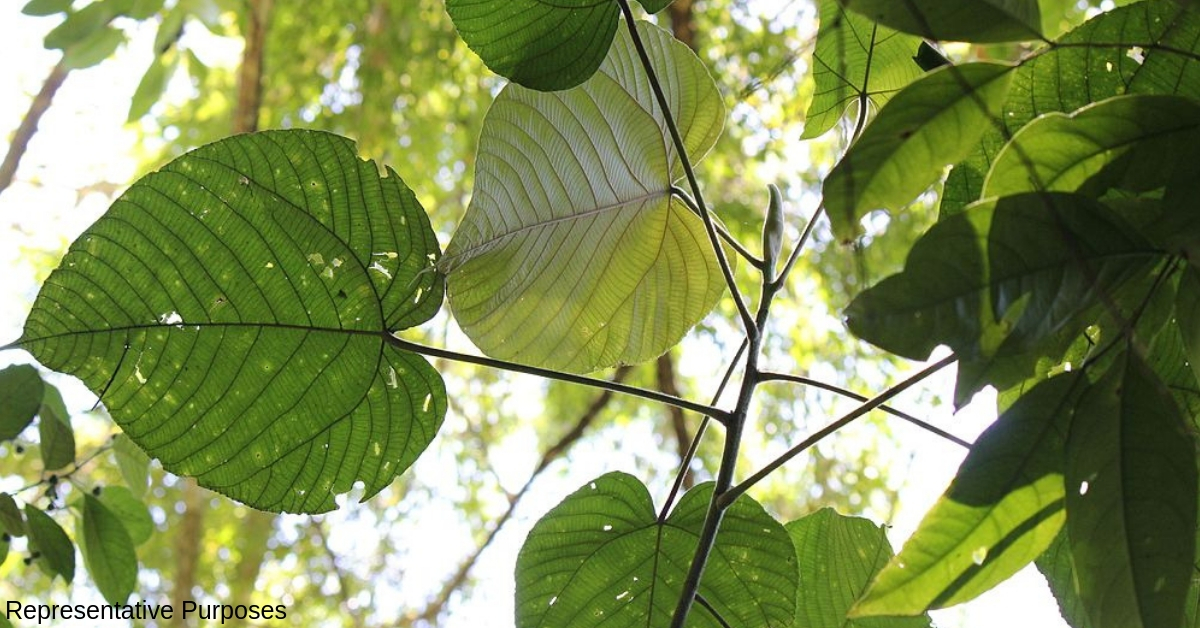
x: 808, y: 381
x: 29, y: 124
x: 871, y: 404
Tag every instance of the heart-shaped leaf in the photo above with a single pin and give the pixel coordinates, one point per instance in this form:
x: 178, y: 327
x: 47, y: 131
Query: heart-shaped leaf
x: 602, y: 558
x: 234, y: 311
x: 573, y: 255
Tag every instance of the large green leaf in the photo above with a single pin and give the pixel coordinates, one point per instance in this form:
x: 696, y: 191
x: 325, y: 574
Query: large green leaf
x: 839, y: 556
x: 1005, y: 277
x: 855, y: 59
x: 538, y: 43
x: 1148, y: 47
x: 1129, y: 142
x: 1131, y: 500
x: 573, y: 254
x: 54, y: 430
x: 20, y: 398
x: 1002, y: 511
x: 1187, y: 311
x: 961, y: 20
x: 602, y: 558
x: 107, y: 551
x: 929, y: 125
x: 234, y: 312
x: 47, y: 540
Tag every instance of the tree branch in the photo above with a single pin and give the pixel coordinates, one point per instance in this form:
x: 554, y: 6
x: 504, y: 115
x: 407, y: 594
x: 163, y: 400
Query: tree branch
x: 29, y: 124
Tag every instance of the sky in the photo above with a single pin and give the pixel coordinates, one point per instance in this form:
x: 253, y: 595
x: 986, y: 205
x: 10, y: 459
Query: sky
x: 84, y: 144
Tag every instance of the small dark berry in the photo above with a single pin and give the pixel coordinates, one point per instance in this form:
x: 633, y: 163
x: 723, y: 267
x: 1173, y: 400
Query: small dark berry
x: 96, y: 491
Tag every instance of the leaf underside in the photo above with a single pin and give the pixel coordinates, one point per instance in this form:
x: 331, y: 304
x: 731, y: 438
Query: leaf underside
x: 601, y: 558
x: 572, y: 254
x: 232, y: 311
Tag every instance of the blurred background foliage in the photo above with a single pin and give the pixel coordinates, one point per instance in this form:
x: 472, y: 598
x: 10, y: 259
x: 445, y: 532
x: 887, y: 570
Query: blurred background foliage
x: 393, y: 75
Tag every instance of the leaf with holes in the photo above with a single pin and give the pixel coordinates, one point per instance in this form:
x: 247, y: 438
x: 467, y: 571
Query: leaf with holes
x: 234, y: 311
x: 929, y: 125
x: 855, y: 59
x: 602, y: 558
x: 980, y: 21
x: 1003, y: 510
x: 573, y: 254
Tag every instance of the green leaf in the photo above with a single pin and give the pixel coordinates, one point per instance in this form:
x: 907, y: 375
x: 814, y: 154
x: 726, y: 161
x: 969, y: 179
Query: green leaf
x: 107, y: 551
x: 1131, y: 500
x: 234, y: 311
x: 54, y: 429
x: 170, y: 29
x: 1143, y: 48
x: 46, y: 7
x: 854, y: 59
x: 1187, y: 312
x: 1126, y: 141
x: 56, y: 554
x: 150, y: 89
x: 540, y: 44
x: 601, y: 557
x: 568, y: 258
x: 839, y: 556
x: 132, y: 512
x: 21, y: 396
x: 929, y: 125
x: 11, y: 519
x: 133, y: 463
x: 997, y: 279
x: 80, y: 25
x: 143, y: 9
x: 981, y: 21
x: 1002, y: 511
x: 94, y: 48
x: 1055, y: 564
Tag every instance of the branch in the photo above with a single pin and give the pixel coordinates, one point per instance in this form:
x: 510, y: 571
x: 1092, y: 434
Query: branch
x: 29, y: 124
x: 866, y: 407
x: 653, y: 395
x: 434, y: 608
x: 686, y: 162
x: 799, y: 379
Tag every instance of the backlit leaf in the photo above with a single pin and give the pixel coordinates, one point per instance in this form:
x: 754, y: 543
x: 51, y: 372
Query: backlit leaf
x: 601, y: 558
x: 20, y: 398
x: 540, y: 44
x: 929, y: 125
x: 1002, y: 511
x: 107, y: 551
x: 55, y: 553
x: 234, y: 312
x: 854, y: 59
x: 573, y: 254
x: 839, y: 556
x: 133, y: 463
x: 54, y: 430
